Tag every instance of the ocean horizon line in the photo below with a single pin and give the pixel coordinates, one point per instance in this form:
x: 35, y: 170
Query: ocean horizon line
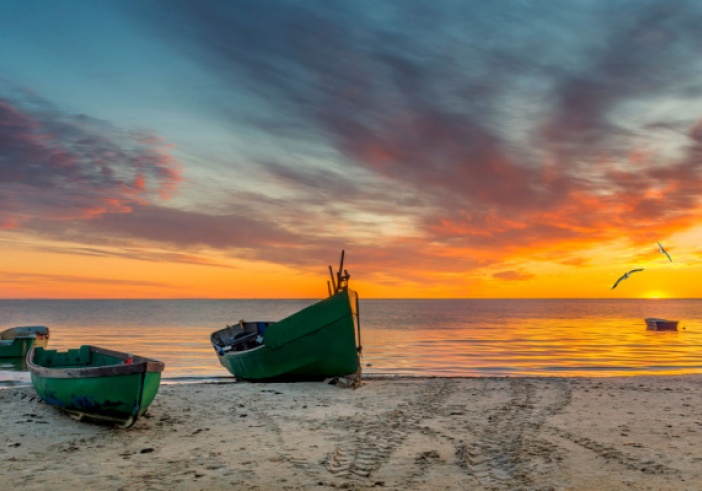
x: 297, y: 299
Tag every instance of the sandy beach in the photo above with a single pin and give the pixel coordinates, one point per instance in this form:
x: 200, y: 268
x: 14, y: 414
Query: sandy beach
x: 407, y: 433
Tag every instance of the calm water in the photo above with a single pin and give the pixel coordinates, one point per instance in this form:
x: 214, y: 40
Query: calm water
x: 400, y: 337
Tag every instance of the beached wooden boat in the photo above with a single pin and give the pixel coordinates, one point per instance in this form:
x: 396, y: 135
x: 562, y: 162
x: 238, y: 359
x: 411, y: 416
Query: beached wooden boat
x: 655, y: 324
x: 17, y: 341
x: 95, y: 383
x: 318, y: 342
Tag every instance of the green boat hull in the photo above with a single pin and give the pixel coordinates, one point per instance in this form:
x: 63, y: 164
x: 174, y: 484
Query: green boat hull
x: 17, y: 348
x: 95, y: 383
x: 16, y: 342
x: 315, y: 343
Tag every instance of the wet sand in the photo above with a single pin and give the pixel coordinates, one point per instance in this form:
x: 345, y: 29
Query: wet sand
x: 642, y: 433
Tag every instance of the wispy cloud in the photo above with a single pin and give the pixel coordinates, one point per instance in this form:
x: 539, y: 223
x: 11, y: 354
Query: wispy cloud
x: 512, y: 275
x: 441, y: 137
x: 59, y: 166
x: 9, y: 278
x: 132, y: 253
x: 511, y: 137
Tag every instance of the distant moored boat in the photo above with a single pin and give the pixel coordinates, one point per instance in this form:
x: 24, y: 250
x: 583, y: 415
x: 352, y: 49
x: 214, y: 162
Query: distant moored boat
x: 655, y: 324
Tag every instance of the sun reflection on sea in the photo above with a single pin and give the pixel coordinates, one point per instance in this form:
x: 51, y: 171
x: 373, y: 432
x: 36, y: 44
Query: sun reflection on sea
x: 460, y: 338
x: 559, y: 342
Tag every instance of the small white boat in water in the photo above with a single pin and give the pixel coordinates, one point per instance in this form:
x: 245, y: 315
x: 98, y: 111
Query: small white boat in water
x: 655, y: 324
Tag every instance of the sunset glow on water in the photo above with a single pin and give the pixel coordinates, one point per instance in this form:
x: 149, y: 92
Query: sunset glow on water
x: 533, y: 337
x: 400, y: 337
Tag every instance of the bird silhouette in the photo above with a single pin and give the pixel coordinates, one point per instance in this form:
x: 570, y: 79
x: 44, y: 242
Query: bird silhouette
x: 663, y: 251
x: 625, y: 276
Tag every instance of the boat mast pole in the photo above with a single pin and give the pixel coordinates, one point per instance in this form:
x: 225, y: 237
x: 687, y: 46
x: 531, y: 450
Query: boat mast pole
x: 332, y: 278
x: 338, y: 274
x: 342, y: 280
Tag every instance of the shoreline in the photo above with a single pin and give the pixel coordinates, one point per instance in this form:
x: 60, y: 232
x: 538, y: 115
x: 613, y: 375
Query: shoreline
x: 496, y: 433
x: 228, y: 378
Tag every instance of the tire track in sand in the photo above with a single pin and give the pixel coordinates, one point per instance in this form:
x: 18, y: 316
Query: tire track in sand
x: 373, y: 442
x: 613, y: 455
x: 508, y: 453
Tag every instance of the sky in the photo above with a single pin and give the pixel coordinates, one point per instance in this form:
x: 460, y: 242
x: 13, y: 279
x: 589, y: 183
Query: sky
x: 454, y: 149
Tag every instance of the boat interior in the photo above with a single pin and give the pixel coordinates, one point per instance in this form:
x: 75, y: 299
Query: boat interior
x: 239, y: 337
x: 73, y: 358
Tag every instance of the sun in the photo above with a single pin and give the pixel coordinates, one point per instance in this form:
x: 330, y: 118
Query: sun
x: 655, y: 294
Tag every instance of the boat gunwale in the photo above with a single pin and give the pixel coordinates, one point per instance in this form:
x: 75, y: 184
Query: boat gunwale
x: 140, y: 364
x: 23, y: 333
x: 28, y: 336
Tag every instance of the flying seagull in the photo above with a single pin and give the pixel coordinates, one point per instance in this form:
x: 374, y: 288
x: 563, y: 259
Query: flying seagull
x: 663, y: 251
x: 625, y: 276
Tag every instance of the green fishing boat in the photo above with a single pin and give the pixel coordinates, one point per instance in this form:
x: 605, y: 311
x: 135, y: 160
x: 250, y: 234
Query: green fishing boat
x: 95, y: 383
x: 17, y: 341
x: 318, y: 342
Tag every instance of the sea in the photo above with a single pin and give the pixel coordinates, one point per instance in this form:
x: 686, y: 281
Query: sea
x: 441, y: 338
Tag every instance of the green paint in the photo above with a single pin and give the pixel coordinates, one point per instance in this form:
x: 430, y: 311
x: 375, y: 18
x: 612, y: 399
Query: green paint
x: 315, y: 343
x: 87, y: 382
